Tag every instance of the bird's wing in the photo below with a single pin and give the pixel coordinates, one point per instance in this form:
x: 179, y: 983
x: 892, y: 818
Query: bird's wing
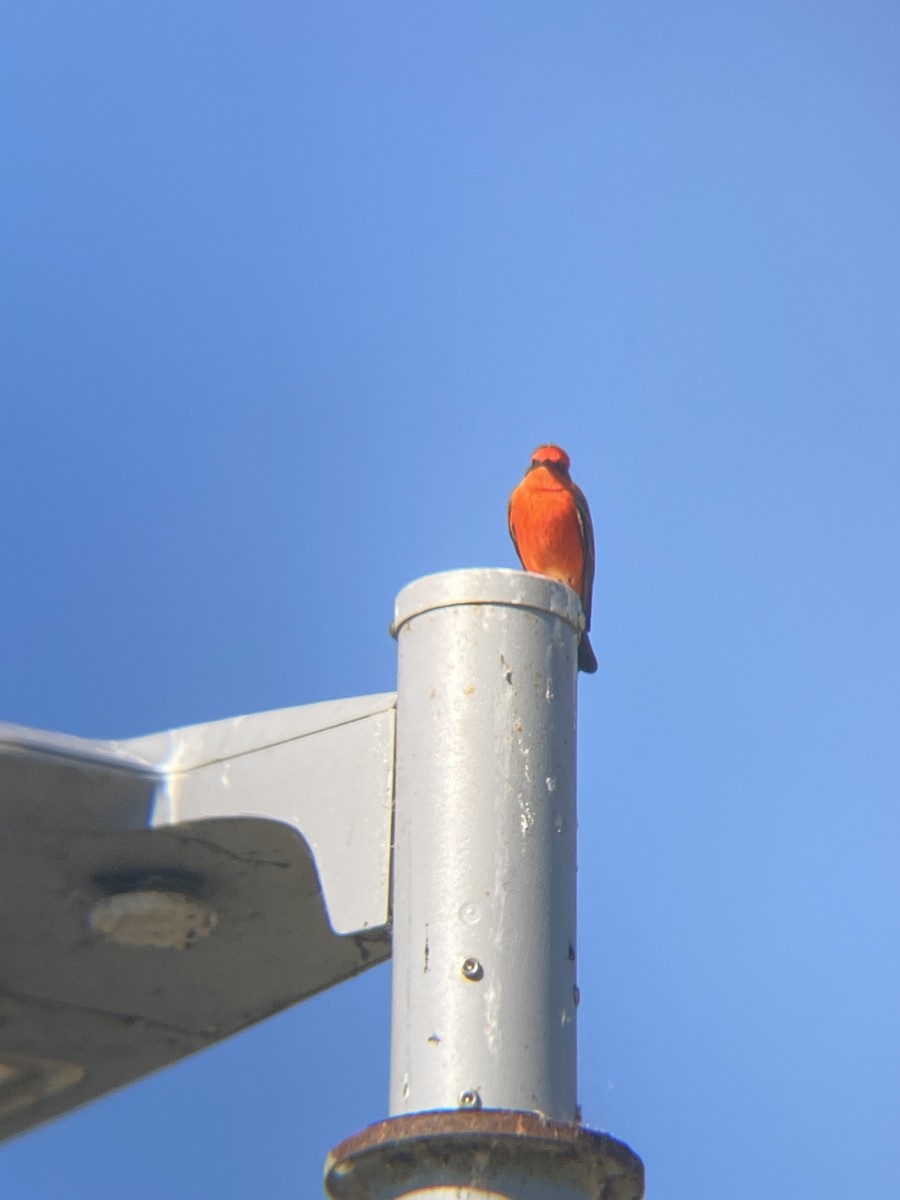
x: 587, y: 542
x: 512, y: 528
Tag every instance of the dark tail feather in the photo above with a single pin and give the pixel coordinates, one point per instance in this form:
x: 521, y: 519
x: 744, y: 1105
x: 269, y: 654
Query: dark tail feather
x: 587, y: 659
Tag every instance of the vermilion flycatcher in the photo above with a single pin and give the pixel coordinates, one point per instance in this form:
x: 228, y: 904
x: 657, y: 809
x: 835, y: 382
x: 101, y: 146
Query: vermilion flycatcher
x: 550, y: 525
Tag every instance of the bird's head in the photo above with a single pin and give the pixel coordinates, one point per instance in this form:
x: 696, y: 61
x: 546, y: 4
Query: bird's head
x: 551, y: 456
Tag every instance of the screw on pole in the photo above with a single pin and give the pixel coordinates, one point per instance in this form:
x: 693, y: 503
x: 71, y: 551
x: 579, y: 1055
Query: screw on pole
x: 483, y: 1094
x: 472, y: 969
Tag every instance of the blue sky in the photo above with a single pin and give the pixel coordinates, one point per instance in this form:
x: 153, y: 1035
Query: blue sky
x: 289, y: 293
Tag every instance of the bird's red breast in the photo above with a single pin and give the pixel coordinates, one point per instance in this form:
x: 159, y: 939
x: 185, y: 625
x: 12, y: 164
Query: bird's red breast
x: 550, y: 525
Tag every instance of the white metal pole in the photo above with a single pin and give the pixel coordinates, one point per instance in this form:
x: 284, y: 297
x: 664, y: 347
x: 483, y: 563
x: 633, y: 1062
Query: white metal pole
x: 484, y: 992
x: 483, y: 1055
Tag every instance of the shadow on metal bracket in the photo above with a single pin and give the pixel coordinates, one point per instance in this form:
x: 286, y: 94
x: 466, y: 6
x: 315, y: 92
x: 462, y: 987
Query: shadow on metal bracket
x: 163, y: 892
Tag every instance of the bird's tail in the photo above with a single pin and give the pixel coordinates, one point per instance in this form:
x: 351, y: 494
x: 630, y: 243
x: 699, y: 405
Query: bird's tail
x: 587, y: 659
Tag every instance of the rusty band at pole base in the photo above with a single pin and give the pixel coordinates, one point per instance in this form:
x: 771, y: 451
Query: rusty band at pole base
x: 480, y: 1150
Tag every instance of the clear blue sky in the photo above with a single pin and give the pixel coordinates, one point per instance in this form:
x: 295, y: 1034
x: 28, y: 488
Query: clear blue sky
x: 289, y: 292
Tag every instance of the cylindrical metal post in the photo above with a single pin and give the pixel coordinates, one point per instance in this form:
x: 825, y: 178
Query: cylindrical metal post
x: 483, y: 1054
x: 484, y: 991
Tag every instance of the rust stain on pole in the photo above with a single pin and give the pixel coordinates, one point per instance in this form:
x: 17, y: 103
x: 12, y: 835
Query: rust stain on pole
x: 488, y: 1152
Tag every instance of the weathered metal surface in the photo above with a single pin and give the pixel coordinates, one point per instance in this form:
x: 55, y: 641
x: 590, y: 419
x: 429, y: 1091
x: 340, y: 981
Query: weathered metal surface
x: 160, y: 893
x: 484, y: 992
x: 482, y: 1156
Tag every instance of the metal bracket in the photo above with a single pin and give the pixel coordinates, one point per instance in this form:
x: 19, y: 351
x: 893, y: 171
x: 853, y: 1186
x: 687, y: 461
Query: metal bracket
x: 163, y: 892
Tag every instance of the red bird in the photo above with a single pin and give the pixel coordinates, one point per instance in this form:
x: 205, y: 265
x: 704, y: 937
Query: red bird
x: 550, y: 525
